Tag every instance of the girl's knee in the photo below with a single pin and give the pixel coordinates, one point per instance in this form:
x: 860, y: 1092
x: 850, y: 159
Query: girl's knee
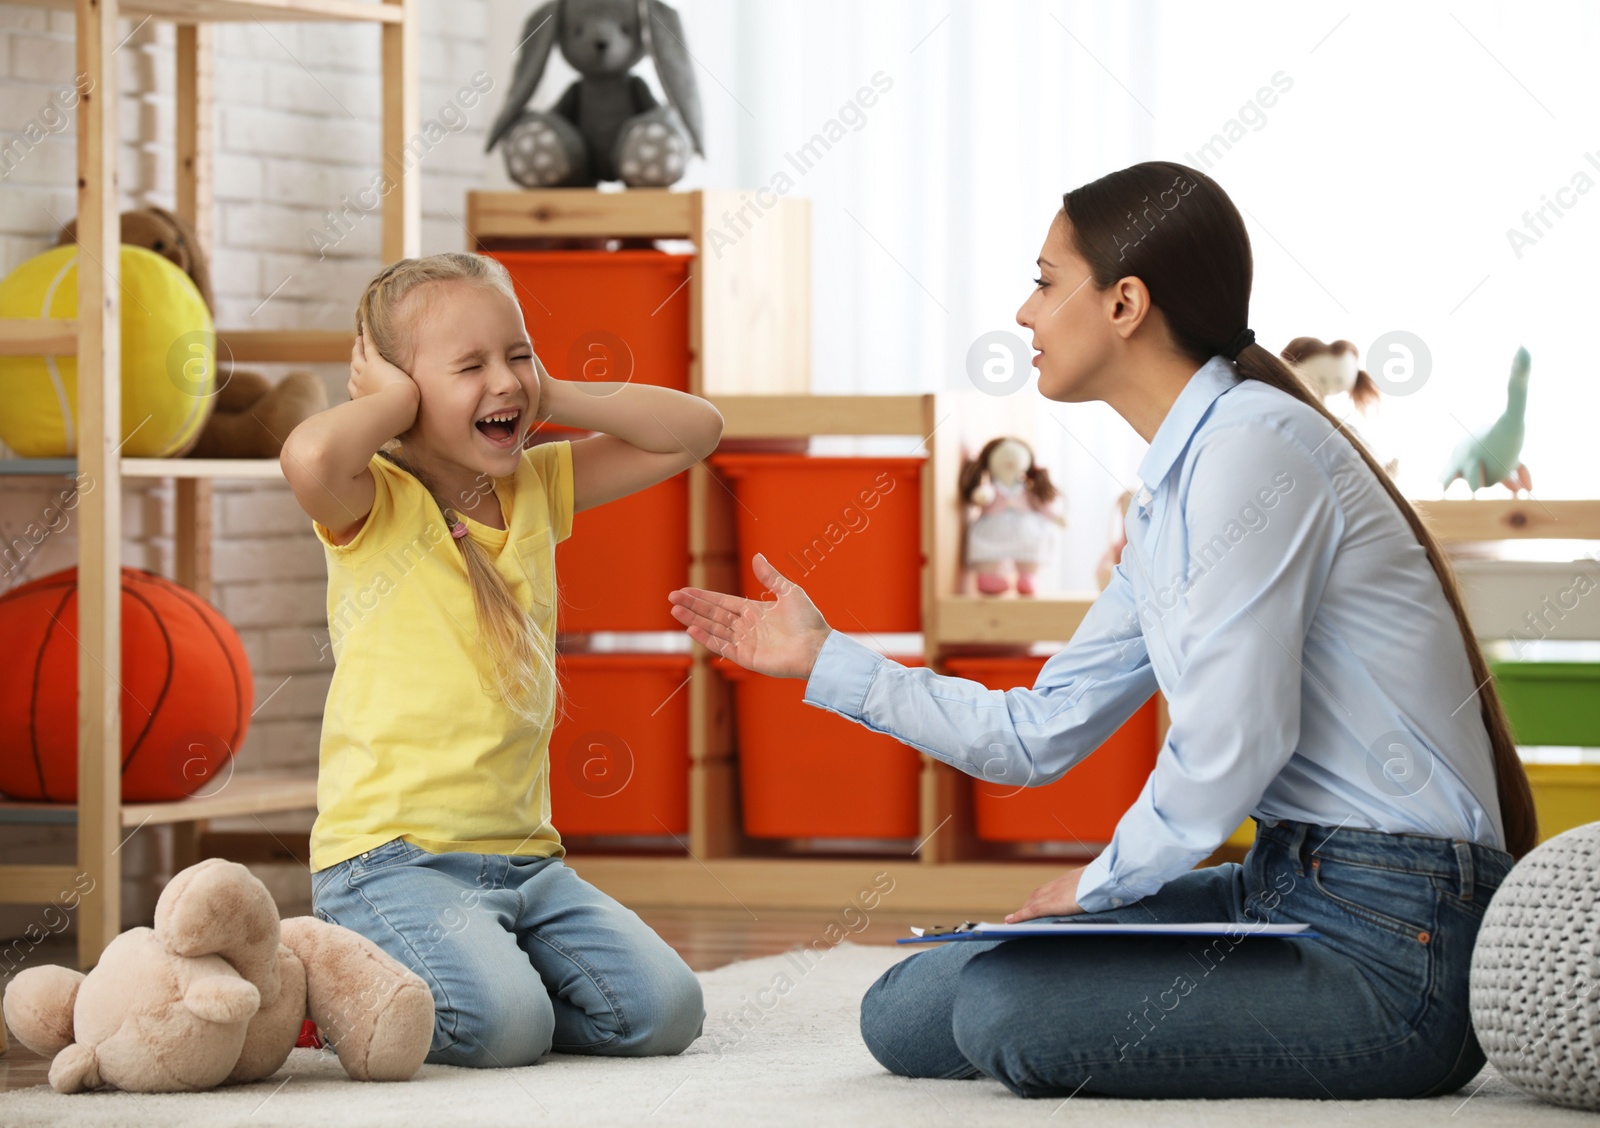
x: 508, y: 1027
x: 669, y: 1018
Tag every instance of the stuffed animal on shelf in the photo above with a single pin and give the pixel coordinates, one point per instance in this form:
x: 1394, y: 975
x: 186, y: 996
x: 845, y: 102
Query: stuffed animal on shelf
x: 250, y: 416
x: 1494, y: 454
x: 1334, y: 373
x: 217, y: 992
x: 1012, y: 498
x: 608, y: 125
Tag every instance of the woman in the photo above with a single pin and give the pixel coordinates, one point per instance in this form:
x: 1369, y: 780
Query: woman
x: 1321, y: 677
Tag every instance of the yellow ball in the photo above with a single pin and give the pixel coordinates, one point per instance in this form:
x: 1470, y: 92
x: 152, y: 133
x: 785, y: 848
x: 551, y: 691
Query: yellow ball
x: 168, y: 358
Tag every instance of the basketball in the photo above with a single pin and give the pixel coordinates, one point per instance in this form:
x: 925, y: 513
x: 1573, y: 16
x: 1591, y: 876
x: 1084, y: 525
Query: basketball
x: 185, y: 684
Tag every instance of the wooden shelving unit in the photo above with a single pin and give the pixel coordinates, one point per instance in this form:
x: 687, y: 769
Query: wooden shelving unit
x: 763, y: 394
x: 749, y: 338
x: 101, y: 817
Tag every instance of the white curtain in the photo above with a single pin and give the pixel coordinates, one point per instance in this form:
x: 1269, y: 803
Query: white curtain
x: 927, y: 215
x: 1379, y: 172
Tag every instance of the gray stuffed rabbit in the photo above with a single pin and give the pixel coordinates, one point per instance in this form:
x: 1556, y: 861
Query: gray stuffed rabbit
x: 607, y: 126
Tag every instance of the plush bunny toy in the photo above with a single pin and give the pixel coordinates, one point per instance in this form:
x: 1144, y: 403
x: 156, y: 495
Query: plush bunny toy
x: 216, y: 993
x: 607, y: 126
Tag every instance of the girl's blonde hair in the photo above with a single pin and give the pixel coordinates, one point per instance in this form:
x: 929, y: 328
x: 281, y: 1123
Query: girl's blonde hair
x: 516, y: 659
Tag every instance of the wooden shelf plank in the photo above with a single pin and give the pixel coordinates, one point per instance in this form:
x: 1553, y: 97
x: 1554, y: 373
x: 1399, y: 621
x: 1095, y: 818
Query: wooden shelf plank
x: 972, y: 618
x: 36, y: 885
x: 211, y: 11
x: 804, y: 883
x: 545, y: 212
x: 54, y: 336
x: 1512, y: 518
x: 236, y: 795
x: 38, y: 465
x: 253, y: 468
x: 38, y: 336
x: 286, y: 346
x: 801, y: 416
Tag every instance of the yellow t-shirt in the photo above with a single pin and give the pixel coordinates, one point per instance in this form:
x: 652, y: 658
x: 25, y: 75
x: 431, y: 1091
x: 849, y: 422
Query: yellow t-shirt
x: 413, y: 746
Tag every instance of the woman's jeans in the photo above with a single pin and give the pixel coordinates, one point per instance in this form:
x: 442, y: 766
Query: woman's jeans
x: 1375, y: 1007
x: 523, y: 956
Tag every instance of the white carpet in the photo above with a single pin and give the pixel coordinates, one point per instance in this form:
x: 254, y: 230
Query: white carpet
x: 800, y: 1062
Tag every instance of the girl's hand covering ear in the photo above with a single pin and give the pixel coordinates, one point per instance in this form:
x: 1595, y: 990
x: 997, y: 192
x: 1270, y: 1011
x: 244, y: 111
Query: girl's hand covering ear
x: 1053, y: 898
x: 370, y: 373
x: 778, y: 637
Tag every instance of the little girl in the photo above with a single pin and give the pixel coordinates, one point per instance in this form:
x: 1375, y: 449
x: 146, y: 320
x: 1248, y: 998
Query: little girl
x: 433, y: 835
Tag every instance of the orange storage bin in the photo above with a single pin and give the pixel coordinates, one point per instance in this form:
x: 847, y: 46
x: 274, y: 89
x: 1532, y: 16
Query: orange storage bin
x: 606, y: 315
x: 615, y: 570
x: 806, y: 773
x: 614, y: 316
x: 619, y: 760
x: 847, y: 530
x: 1084, y: 804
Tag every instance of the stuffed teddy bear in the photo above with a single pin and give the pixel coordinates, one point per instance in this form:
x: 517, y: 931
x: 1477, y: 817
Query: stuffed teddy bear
x: 250, y: 415
x: 607, y: 125
x: 217, y: 992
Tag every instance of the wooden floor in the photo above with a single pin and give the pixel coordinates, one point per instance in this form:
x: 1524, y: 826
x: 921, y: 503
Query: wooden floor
x: 705, y: 939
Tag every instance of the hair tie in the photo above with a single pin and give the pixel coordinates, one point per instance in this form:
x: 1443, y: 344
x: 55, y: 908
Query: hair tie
x: 1241, y: 341
x: 459, y: 529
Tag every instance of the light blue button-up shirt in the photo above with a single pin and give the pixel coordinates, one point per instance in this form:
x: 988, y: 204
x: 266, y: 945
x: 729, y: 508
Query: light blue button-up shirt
x: 1274, y: 593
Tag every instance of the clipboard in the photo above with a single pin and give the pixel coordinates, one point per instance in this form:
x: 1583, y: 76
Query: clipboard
x: 986, y: 930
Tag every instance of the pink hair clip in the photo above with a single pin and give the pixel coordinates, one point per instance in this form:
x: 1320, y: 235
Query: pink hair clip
x: 459, y: 529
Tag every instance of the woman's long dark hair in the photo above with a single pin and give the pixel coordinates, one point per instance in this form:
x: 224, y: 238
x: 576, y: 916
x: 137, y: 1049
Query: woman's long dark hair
x: 1175, y: 229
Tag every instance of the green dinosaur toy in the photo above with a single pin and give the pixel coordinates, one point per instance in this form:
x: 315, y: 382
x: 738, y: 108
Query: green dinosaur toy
x: 1491, y: 455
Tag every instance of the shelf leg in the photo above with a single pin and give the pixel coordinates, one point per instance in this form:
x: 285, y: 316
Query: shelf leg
x: 99, y: 603
x: 402, y: 206
x: 186, y: 838
x: 192, y: 535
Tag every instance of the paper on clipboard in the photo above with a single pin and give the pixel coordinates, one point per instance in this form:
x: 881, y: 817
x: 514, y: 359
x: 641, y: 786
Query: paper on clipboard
x: 991, y: 931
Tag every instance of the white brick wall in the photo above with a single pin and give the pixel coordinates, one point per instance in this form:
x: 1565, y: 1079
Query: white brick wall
x: 297, y: 128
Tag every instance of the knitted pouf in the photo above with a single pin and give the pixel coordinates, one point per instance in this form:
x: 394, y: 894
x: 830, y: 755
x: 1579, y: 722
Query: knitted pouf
x: 1536, y: 972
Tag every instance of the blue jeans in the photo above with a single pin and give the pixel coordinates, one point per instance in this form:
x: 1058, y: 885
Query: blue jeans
x: 523, y: 956
x: 1377, y: 1007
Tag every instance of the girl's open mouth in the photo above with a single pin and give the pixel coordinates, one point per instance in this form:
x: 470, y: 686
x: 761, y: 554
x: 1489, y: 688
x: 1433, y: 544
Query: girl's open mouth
x: 500, y: 429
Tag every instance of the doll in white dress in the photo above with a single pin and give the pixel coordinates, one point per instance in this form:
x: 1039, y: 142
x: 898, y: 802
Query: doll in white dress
x: 1334, y: 372
x: 1014, y: 514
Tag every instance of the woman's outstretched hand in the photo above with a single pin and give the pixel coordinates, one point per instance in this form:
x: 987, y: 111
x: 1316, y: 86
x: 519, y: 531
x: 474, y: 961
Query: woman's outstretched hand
x: 1053, y: 898
x: 780, y: 638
